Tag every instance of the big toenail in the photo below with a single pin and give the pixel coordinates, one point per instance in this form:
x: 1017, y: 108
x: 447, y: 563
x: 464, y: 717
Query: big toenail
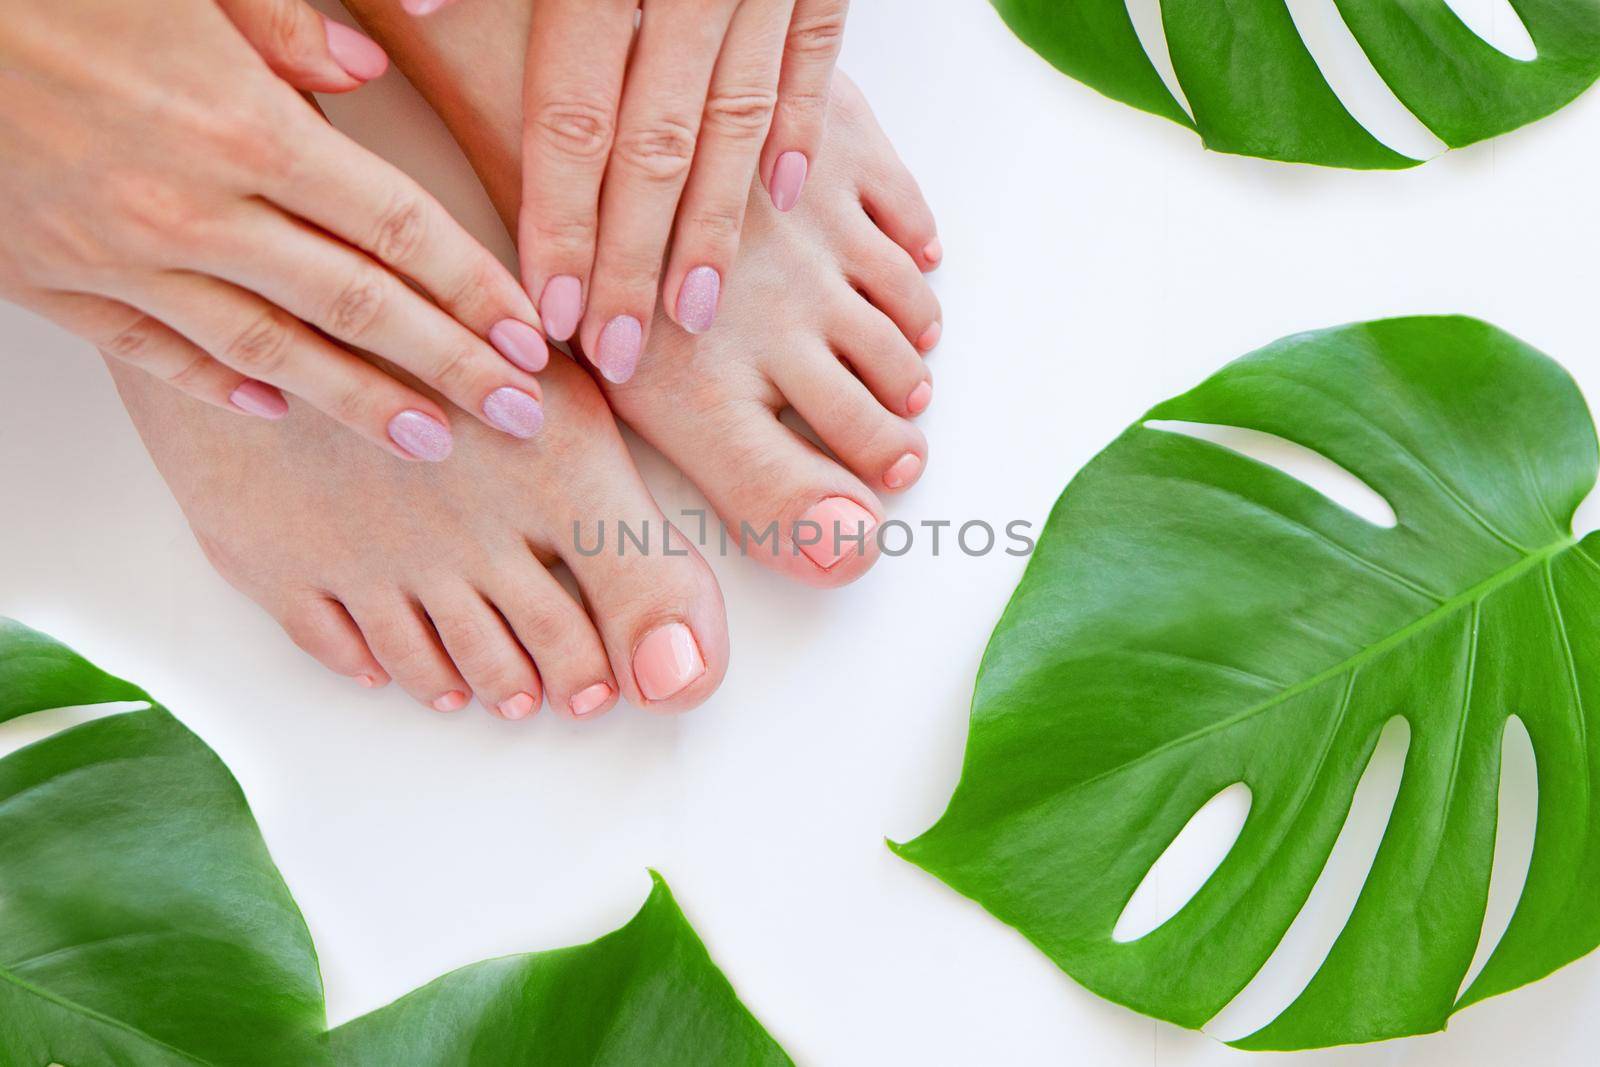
x: 697, y: 299
x: 514, y: 412
x: 454, y: 700
x: 587, y: 701
x: 933, y: 252
x: 520, y: 344
x: 515, y: 707
x: 421, y: 435
x: 561, y: 306
x: 917, y: 402
x: 902, y: 471
x: 929, y: 338
x: 259, y: 399
x: 619, y: 348
x: 831, y: 526
x: 666, y: 661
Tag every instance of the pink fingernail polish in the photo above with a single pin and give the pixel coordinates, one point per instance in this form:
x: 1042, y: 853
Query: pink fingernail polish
x: 929, y: 338
x: 561, y: 306
x: 697, y: 299
x: 903, y: 471
x: 933, y: 252
x: 454, y: 700
x: 919, y: 399
x: 514, y: 411
x: 842, y: 522
x: 516, y: 707
x: 788, y: 176
x: 667, y: 661
x: 421, y: 435
x: 619, y: 348
x: 587, y: 701
x: 358, y: 55
x: 520, y: 344
x: 260, y: 399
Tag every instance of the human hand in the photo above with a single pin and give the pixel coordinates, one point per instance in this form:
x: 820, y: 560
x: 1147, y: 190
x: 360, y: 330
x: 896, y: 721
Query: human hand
x: 168, y: 195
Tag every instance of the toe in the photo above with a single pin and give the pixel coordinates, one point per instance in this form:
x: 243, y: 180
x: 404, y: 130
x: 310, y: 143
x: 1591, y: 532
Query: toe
x: 480, y: 644
x: 893, y: 200
x: 883, y: 449
x: 886, y: 276
x: 405, y: 642
x: 323, y: 628
x: 881, y: 357
x: 554, y: 628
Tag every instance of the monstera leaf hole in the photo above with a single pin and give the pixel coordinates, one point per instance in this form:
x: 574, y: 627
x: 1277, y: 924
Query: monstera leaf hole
x: 1336, y: 483
x: 18, y: 734
x: 1498, y: 23
x: 1188, y: 862
x: 1517, y: 815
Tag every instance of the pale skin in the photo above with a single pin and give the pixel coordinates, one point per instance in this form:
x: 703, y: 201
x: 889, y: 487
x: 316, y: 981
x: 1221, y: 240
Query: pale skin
x: 439, y: 578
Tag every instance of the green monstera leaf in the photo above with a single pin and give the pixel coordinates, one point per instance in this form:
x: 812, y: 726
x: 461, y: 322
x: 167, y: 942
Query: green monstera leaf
x: 1256, y: 90
x: 142, y: 922
x: 1193, y: 619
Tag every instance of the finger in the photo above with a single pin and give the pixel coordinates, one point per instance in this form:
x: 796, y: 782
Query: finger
x: 247, y: 333
x: 815, y: 32
x: 738, y: 112
x: 129, y: 335
x: 657, y: 129
x: 351, y: 299
x: 350, y: 192
x: 305, y: 49
x: 577, y: 53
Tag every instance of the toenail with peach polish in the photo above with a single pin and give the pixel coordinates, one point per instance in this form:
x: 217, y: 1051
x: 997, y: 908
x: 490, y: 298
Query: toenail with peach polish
x: 561, y: 306
x: 666, y: 661
x: 260, y: 399
x: 618, y: 351
x: 454, y: 700
x: 588, y: 701
x: 920, y: 397
x: 697, y: 299
x: 514, y: 412
x: 933, y: 252
x: 903, y: 471
x: 515, y: 707
x: 843, y: 524
x: 788, y: 178
x: 366, y: 681
x: 520, y: 344
x: 929, y: 338
x: 421, y: 435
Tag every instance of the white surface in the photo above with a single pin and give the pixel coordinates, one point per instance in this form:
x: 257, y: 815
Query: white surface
x: 1097, y: 260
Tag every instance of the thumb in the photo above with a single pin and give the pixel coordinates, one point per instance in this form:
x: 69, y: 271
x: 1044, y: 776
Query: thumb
x: 310, y: 52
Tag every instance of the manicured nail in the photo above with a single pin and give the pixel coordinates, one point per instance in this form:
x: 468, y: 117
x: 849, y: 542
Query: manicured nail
x: 933, y: 252
x: 422, y: 7
x: 358, y: 54
x: 903, y: 471
x: 666, y: 661
x: 697, y: 299
x: 788, y: 175
x: 521, y: 344
x: 561, y: 306
x: 513, y: 411
x: 842, y: 521
x: 454, y: 700
x: 919, y: 399
x: 516, y: 707
x: 929, y: 338
x: 421, y: 435
x: 259, y: 398
x: 619, y: 348
x: 586, y: 701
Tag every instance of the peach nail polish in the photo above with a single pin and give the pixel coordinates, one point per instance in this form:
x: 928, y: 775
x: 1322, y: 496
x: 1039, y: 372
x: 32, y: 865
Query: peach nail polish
x: 697, y: 299
x: 788, y: 178
x: 667, y: 661
x: 919, y: 399
x: 357, y: 54
x: 520, y: 344
x: 619, y: 348
x: 903, y: 471
x: 514, y: 412
x: 421, y: 7
x: 841, y: 520
x: 933, y: 252
x: 454, y: 700
x: 421, y: 435
x: 587, y: 701
x: 561, y: 306
x: 516, y: 707
x: 366, y: 681
x: 929, y: 338
x: 260, y: 399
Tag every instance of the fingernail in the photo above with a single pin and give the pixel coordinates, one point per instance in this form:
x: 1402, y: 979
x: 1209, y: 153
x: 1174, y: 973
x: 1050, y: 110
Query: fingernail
x: 357, y: 53
x: 561, y: 306
x: 666, y: 661
x: 513, y: 411
x: 933, y: 252
x: 929, y: 338
x: 619, y: 348
x: 586, y: 701
x: 917, y: 402
x: 421, y: 7
x: 697, y: 299
x: 421, y: 435
x: 520, y: 344
x: 902, y: 471
x: 842, y: 521
x: 454, y: 700
x: 259, y: 398
x: 788, y: 175
x: 515, y: 707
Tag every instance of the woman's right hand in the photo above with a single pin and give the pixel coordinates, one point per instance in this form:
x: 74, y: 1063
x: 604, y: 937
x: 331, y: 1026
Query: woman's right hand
x: 167, y: 194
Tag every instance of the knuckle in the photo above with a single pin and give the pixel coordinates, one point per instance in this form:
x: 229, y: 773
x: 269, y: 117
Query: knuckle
x: 287, y: 34
x: 352, y: 406
x: 817, y: 36
x: 742, y: 113
x: 804, y: 105
x: 661, y: 150
x: 357, y: 307
x: 401, y: 229
x: 578, y: 129
x: 544, y: 629
x: 718, y: 224
x: 132, y: 342
x: 190, y: 375
x: 263, y: 346
x: 477, y: 286
x: 456, y: 370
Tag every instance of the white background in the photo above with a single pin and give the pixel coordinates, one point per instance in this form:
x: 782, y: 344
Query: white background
x: 1097, y: 261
